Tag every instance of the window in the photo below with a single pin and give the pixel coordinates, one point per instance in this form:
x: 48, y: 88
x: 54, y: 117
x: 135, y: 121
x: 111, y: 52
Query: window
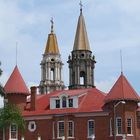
x: 32, y: 126
x: 111, y: 127
x: 64, y: 101
x: 91, y: 127
x: 52, y: 74
x: 70, y: 129
x: 57, y: 103
x: 61, y: 129
x: 82, y: 78
x: 129, y: 126
x: 70, y: 102
x: 13, y: 132
x: 119, y: 126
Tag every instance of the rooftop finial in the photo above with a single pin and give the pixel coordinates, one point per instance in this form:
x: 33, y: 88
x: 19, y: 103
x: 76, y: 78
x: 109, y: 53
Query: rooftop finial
x: 52, y: 22
x: 121, y: 62
x: 81, y: 6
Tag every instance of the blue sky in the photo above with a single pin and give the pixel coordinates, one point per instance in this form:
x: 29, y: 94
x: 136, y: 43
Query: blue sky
x: 111, y: 25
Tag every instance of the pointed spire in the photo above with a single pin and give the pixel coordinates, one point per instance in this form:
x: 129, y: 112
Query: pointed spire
x: 122, y: 90
x: 52, y: 46
x: 16, y: 84
x: 81, y: 38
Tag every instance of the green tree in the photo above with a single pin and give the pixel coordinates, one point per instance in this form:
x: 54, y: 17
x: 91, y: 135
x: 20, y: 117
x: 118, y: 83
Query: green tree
x: 10, y: 114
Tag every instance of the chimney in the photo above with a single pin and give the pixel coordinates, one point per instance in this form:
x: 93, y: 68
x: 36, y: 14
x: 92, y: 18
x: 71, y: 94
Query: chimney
x: 33, y: 98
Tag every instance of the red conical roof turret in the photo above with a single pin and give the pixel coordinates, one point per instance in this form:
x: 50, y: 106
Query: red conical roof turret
x: 16, y: 84
x: 122, y: 90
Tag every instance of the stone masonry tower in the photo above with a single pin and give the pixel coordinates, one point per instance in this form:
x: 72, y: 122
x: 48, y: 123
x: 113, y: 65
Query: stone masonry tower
x: 81, y: 62
x: 51, y: 66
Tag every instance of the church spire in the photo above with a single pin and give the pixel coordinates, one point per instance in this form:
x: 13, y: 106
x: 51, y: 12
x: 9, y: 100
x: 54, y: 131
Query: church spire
x: 52, y: 45
x: 81, y: 61
x: 51, y: 65
x: 81, y: 38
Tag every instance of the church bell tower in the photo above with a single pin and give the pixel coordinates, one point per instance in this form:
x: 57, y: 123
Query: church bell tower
x: 51, y: 66
x: 81, y: 61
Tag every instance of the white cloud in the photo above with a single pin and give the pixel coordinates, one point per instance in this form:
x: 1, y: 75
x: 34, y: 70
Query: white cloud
x: 3, y: 78
x: 106, y: 85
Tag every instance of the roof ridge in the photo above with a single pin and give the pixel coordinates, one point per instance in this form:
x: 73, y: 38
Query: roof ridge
x: 82, y: 101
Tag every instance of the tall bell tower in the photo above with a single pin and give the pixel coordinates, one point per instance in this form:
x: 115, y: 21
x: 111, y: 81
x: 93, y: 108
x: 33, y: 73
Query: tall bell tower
x: 51, y: 66
x: 81, y: 61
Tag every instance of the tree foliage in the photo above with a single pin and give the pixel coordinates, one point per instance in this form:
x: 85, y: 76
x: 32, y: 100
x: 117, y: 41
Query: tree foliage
x: 10, y: 114
x: 0, y: 70
x: 1, y: 88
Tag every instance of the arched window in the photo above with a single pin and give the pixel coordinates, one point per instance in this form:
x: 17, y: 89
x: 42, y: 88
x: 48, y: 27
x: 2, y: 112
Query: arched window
x: 52, y: 74
x: 82, y: 78
x: 64, y: 102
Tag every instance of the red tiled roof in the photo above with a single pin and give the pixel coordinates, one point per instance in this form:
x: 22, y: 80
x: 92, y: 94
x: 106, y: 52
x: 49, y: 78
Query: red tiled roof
x: 16, y: 84
x: 122, y: 90
x: 91, y: 101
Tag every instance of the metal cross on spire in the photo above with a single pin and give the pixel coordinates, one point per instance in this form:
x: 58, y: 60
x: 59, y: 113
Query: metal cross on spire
x: 81, y: 6
x: 52, y: 22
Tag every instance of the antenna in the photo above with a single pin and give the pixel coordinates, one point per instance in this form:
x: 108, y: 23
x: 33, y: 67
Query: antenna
x: 16, y: 51
x: 121, y: 61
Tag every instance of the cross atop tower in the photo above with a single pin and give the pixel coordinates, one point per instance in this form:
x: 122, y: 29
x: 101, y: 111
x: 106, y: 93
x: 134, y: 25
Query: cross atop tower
x: 52, y: 22
x: 81, y: 6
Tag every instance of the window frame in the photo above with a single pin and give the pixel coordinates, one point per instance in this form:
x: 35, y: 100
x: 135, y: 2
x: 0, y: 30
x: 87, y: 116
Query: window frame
x: 70, y: 104
x: 64, y: 102
x: 57, y: 104
x: 58, y: 131
x: 72, y: 129
x: 117, y: 127
x: 130, y: 127
x: 15, y: 132
x: 89, y: 136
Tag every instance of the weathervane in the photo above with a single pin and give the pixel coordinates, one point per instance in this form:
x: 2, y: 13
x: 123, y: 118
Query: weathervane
x: 52, y: 22
x: 81, y: 6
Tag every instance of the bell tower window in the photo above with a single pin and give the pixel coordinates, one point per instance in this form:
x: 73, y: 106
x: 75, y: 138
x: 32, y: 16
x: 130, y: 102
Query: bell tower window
x: 82, y: 78
x: 52, y: 74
